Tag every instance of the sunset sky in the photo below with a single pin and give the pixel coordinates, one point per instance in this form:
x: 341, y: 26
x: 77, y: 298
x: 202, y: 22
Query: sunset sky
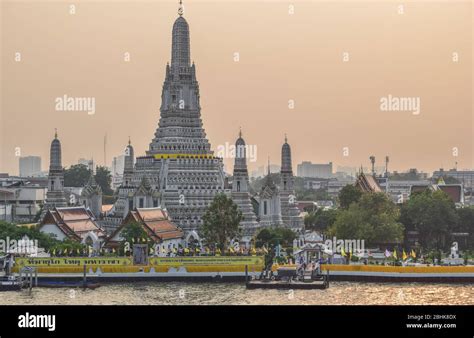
x: 282, y: 57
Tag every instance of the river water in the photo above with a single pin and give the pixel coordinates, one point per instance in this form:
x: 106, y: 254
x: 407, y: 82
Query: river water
x: 180, y: 293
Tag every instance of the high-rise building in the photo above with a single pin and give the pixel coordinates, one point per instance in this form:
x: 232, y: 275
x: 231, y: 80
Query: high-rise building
x: 30, y: 166
x: 308, y: 169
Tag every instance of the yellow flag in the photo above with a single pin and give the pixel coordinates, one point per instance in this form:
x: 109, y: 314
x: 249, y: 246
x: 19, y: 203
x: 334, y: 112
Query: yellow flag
x: 343, y: 252
x: 78, y: 252
x: 113, y: 250
x: 151, y: 250
x: 265, y: 249
x: 198, y: 250
x: 253, y: 251
x: 54, y: 252
x: 163, y: 250
x: 133, y: 240
x: 218, y: 251
x: 231, y: 249
x: 394, y: 253
x: 404, y: 255
x: 413, y: 253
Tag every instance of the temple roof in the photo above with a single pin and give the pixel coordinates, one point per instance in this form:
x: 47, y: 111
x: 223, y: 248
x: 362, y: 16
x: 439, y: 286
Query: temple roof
x: 367, y: 183
x: 74, y: 222
x: 154, y: 221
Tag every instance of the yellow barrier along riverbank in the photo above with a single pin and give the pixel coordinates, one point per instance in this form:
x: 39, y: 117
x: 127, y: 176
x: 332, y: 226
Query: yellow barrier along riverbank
x: 398, y: 269
x: 124, y: 265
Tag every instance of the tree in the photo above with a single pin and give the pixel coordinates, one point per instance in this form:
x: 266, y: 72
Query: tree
x: 273, y: 237
x: 104, y: 179
x: 221, y: 221
x: 133, y: 232
x: 348, y: 195
x: 374, y: 219
x: 432, y: 214
x: 320, y: 220
x: 16, y: 232
x: 76, y: 176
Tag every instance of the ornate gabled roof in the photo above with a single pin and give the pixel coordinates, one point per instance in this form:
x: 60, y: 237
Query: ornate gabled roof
x: 145, y: 187
x: 154, y: 221
x: 367, y: 183
x: 91, y: 187
x: 269, y: 187
x: 74, y: 222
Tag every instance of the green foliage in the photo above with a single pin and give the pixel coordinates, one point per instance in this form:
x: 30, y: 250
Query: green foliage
x: 348, y: 195
x: 433, y: 214
x: 133, y: 232
x: 320, y: 220
x: 76, y: 176
x: 221, y: 221
x: 104, y: 179
x: 271, y: 237
x: 16, y: 232
x: 374, y: 218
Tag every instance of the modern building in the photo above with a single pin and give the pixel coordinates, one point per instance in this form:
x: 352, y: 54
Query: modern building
x: 465, y: 177
x: 116, y: 170
x: 308, y: 169
x: 30, y: 166
x: 399, y: 190
x: 335, y: 186
x: 22, y: 203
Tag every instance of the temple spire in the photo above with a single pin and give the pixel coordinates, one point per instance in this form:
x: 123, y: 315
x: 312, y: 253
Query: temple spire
x: 180, y: 53
x: 180, y: 9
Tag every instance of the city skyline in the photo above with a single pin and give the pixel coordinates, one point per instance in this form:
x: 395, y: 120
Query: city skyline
x: 321, y: 127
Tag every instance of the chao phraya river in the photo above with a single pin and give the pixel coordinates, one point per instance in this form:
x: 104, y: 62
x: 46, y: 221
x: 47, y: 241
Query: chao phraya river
x: 179, y: 293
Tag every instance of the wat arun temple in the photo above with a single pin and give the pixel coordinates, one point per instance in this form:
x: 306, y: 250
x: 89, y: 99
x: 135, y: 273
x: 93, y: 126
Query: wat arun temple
x: 180, y: 173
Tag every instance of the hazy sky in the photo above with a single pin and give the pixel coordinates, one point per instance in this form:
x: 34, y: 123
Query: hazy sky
x: 283, y: 57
